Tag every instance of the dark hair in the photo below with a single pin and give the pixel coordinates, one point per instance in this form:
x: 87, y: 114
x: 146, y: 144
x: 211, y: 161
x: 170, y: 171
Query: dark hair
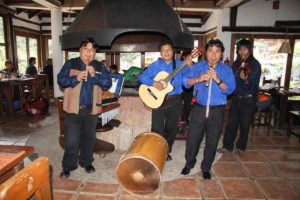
x: 8, y: 62
x: 31, y: 59
x: 244, y: 43
x: 215, y: 42
x: 89, y: 40
x: 185, y: 53
x: 114, y: 67
x: 165, y: 42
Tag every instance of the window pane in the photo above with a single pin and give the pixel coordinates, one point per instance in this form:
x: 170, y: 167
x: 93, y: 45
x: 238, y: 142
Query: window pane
x: 150, y: 57
x: 100, y: 56
x: 2, y: 40
x: 22, y: 54
x: 295, y: 76
x: 33, y: 52
x: 2, y: 57
x: 50, y: 54
x: 73, y: 54
x: 273, y: 64
x: 128, y: 60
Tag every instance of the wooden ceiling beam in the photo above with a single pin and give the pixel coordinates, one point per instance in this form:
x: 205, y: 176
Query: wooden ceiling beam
x: 205, y: 17
x: 33, y: 13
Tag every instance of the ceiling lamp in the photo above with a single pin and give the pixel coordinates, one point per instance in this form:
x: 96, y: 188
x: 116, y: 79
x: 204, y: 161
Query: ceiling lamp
x: 285, y: 47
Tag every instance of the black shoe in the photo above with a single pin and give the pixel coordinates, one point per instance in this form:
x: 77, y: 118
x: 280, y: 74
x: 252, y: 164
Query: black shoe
x: 206, y: 175
x: 64, y: 173
x: 89, y: 169
x: 169, y: 157
x: 185, y: 171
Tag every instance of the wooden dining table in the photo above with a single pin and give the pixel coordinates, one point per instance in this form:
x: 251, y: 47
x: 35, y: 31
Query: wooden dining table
x: 37, y: 86
x: 12, y: 160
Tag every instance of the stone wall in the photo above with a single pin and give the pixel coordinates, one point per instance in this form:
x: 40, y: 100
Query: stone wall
x: 135, y: 119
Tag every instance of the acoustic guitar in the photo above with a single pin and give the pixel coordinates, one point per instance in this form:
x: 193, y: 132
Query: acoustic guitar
x: 152, y: 97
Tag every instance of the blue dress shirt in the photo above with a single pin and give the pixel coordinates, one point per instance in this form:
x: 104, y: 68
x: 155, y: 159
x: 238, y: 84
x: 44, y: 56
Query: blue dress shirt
x: 218, y: 96
x: 147, y: 77
x: 101, y: 79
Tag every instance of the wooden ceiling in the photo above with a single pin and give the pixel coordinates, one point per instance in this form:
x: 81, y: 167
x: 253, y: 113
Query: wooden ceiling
x: 193, y: 12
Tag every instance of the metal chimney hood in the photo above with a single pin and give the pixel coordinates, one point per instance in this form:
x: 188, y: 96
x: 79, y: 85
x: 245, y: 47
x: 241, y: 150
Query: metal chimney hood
x: 127, y: 25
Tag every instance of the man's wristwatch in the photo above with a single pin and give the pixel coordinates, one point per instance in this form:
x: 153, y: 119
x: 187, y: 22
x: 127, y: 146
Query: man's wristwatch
x: 220, y: 82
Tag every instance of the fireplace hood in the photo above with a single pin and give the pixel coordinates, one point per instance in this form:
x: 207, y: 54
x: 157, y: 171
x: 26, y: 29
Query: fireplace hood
x: 127, y: 25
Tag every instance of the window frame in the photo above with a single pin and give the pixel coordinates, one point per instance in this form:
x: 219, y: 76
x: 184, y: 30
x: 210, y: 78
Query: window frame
x: 28, y: 33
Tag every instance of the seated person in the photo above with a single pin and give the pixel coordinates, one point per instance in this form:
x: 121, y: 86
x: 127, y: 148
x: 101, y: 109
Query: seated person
x: 31, y: 69
x: 113, y: 69
x: 9, y: 69
x: 48, y: 69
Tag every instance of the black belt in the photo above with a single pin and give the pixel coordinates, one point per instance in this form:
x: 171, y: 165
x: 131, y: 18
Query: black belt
x: 211, y: 107
x: 84, y: 107
x: 242, y: 96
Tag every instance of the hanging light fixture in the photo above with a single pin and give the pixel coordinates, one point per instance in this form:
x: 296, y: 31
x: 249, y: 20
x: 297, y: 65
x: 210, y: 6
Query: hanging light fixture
x: 285, y: 46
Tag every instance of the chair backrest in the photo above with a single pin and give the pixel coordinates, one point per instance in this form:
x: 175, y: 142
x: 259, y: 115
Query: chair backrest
x: 277, y: 82
x: 30, y: 181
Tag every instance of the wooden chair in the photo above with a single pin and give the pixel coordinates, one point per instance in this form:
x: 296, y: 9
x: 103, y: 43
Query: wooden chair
x: 263, y: 116
x: 277, y: 82
x: 32, y: 181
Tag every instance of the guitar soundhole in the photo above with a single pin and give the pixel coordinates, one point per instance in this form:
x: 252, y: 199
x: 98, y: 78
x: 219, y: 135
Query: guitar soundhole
x: 151, y: 93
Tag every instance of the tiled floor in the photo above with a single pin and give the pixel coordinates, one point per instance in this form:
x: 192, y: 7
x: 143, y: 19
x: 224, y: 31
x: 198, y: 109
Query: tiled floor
x: 270, y: 169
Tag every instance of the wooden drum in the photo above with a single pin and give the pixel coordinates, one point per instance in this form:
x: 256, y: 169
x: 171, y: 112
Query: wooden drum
x: 139, y: 171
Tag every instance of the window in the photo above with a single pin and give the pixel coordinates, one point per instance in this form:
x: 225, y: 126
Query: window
x: 150, y: 57
x: 22, y: 54
x: 27, y: 46
x: 295, y: 76
x: 273, y: 64
x: 73, y: 54
x: 128, y: 60
x: 98, y: 56
x: 2, y: 44
x: 50, y: 54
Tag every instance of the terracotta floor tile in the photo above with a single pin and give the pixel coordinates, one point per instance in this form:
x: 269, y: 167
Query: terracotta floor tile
x: 154, y: 195
x: 210, y: 189
x: 229, y: 170
x: 65, y: 184
x: 272, y: 147
x: 289, y: 170
x: 252, y: 156
x: 261, y: 170
x: 62, y: 196
x: 278, y: 189
x: 260, y: 140
x: 295, y: 182
x: 227, y: 157
x: 240, y: 188
x: 181, y: 188
x: 100, y: 188
x: 94, y: 197
x: 130, y: 197
x: 285, y: 141
x: 290, y: 147
x: 281, y: 156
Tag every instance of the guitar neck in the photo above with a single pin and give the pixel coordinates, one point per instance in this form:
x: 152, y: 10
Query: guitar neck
x: 176, y: 70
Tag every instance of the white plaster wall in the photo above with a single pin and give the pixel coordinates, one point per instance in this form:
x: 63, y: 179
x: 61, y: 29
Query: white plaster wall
x: 260, y: 12
x: 211, y: 21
